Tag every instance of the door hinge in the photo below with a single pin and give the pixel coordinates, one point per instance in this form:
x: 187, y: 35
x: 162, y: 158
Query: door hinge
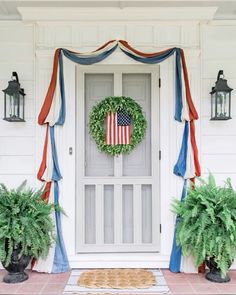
x: 159, y: 82
x: 160, y: 228
x: 159, y: 155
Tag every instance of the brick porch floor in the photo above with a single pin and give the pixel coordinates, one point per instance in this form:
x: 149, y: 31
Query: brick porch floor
x: 40, y: 283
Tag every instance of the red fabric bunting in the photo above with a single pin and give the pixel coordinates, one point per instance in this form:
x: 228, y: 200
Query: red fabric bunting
x: 193, y: 115
x: 44, y: 158
x: 99, y: 48
x: 194, y: 147
x: 51, y: 89
x: 46, y: 192
x: 126, y: 44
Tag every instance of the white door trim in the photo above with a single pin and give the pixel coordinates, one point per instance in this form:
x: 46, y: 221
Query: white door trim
x: 138, y: 260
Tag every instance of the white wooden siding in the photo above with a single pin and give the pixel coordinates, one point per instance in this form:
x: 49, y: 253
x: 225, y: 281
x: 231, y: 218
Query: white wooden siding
x: 17, y: 140
x: 218, y: 152
x: 148, y: 34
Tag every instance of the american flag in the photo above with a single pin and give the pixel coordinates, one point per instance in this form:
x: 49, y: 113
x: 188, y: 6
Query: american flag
x: 118, y: 126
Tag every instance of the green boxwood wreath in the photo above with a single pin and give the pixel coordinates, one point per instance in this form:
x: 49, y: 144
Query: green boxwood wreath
x: 113, y: 104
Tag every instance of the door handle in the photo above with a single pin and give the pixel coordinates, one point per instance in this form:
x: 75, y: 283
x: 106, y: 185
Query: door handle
x: 70, y: 150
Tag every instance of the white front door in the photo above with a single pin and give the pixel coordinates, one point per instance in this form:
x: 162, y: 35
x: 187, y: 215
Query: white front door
x: 117, y: 198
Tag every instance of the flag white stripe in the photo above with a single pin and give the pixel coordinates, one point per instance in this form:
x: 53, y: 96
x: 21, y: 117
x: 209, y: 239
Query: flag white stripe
x: 123, y: 134
x: 127, y: 135
x: 120, y: 134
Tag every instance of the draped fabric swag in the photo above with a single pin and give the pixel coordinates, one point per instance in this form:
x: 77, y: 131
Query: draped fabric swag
x: 53, y: 114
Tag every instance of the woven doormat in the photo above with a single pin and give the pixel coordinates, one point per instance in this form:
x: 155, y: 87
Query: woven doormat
x: 116, y: 281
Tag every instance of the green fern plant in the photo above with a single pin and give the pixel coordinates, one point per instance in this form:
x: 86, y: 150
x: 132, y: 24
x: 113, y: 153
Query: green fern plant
x: 25, y: 223
x: 206, y: 223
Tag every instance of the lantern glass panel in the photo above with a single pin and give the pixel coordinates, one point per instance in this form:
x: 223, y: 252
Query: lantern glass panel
x: 222, y: 99
x: 21, y: 107
x: 213, y: 105
x: 15, y: 102
x: 14, y: 107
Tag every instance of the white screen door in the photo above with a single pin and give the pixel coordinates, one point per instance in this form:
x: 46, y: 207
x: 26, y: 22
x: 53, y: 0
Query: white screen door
x: 117, y: 201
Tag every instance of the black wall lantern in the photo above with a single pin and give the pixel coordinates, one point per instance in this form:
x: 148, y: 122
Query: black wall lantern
x: 221, y: 99
x: 14, y: 101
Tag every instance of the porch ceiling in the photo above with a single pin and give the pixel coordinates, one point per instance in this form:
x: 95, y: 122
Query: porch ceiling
x: 226, y: 9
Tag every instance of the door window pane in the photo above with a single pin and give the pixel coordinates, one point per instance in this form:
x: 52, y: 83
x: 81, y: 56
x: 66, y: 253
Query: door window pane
x: 128, y: 219
x: 146, y: 213
x: 97, y: 87
x: 108, y: 214
x: 138, y: 162
x: 90, y: 214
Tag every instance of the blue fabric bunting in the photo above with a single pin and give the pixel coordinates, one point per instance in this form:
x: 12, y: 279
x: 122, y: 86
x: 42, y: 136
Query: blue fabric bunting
x: 62, y: 114
x: 178, y: 87
x: 180, y: 166
x: 60, y: 261
x: 151, y: 60
x: 56, y: 174
x: 147, y: 60
x: 88, y: 60
x: 175, y: 257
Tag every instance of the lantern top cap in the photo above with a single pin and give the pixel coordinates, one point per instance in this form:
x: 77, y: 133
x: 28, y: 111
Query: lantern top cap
x: 14, y: 86
x: 221, y: 84
x: 14, y: 74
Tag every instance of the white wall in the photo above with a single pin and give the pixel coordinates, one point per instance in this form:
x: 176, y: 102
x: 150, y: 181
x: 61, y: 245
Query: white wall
x: 28, y: 49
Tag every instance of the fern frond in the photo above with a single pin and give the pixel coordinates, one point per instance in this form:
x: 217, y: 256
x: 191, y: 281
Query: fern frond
x: 25, y: 223
x: 206, y: 224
